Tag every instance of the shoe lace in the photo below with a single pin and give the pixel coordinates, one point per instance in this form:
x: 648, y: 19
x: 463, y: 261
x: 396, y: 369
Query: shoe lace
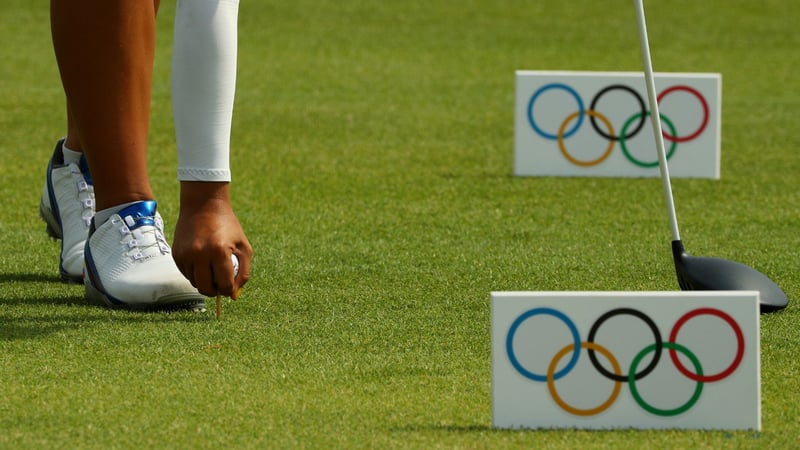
x: 142, y: 236
x: 85, y: 195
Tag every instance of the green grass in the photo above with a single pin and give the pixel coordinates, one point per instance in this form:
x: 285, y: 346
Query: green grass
x: 372, y: 166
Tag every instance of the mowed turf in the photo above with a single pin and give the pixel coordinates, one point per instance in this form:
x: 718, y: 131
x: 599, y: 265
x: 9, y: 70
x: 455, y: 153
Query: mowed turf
x: 372, y: 158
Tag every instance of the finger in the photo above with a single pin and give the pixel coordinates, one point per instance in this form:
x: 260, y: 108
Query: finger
x: 185, y: 268
x: 203, y: 279
x: 224, y: 274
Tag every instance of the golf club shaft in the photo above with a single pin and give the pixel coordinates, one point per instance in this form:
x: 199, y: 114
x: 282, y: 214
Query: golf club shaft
x: 655, y: 118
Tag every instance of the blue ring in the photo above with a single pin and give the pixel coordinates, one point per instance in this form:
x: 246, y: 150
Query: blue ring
x: 547, y: 87
x: 550, y: 312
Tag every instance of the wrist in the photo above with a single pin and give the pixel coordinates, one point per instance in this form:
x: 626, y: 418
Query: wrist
x: 196, y: 194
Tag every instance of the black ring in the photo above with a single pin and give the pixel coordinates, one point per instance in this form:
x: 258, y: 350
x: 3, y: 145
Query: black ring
x: 638, y: 98
x: 647, y: 320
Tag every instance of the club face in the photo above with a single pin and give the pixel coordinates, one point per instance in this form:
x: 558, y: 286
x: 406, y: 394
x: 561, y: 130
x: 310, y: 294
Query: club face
x: 716, y: 274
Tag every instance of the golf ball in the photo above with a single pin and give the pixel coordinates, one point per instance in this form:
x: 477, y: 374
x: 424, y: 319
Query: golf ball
x: 235, y: 261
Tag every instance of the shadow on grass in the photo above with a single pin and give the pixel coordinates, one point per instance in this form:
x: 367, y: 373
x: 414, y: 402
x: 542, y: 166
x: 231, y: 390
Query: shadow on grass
x: 31, y: 288
x: 29, y: 312
x: 63, y: 315
x: 28, y: 278
x: 34, y: 289
x: 28, y: 328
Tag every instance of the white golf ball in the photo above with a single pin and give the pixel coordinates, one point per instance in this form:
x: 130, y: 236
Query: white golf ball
x: 235, y: 261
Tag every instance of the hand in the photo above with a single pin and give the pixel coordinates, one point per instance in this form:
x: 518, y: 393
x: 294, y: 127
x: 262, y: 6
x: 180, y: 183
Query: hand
x: 206, y: 235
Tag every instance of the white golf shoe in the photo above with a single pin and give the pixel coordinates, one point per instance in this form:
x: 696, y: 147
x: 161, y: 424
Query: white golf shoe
x: 67, y: 207
x: 129, y: 264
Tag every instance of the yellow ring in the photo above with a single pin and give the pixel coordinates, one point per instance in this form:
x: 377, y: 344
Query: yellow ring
x: 551, y: 384
x: 572, y: 159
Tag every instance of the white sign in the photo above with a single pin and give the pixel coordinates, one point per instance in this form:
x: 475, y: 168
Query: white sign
x: 598, y: 124
x: 647, y: 360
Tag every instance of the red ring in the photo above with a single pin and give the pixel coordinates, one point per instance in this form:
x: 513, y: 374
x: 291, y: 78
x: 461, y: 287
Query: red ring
x: 739, y: 339
x: 703, y: 102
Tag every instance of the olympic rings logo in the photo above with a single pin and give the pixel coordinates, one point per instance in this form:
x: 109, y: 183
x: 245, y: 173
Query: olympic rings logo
x: 633, y: 373
x: 630, y: 128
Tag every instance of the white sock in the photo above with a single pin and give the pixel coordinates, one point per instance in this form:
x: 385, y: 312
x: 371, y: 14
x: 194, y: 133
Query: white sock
x: 203, y: 86
x: 102, y: 216
x: 70, y: 156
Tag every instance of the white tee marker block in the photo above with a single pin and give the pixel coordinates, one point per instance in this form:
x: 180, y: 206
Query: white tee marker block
x: 647, y: 360
x: 598, y: 124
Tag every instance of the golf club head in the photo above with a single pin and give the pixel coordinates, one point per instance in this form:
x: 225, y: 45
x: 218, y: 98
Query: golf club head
x: 697, y: 273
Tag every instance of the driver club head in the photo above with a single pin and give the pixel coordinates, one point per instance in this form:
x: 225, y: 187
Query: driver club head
x: 697, y: 273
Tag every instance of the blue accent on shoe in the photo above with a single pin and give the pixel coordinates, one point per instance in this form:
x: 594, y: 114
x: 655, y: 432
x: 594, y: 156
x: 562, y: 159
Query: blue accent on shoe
x: 91, y: 272
x: 84, y: 166
x: 56, y: 160
x: 143, y: 213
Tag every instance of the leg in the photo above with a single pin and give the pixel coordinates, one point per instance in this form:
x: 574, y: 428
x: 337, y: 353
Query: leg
x: 105, y: 52
x: 73, y: 141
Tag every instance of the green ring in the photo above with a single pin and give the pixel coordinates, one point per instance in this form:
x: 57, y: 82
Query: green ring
x: 665, y: 412
x: 630, y: 157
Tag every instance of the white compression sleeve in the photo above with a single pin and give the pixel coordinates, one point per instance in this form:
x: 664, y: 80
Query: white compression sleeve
x: 203, y: 86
